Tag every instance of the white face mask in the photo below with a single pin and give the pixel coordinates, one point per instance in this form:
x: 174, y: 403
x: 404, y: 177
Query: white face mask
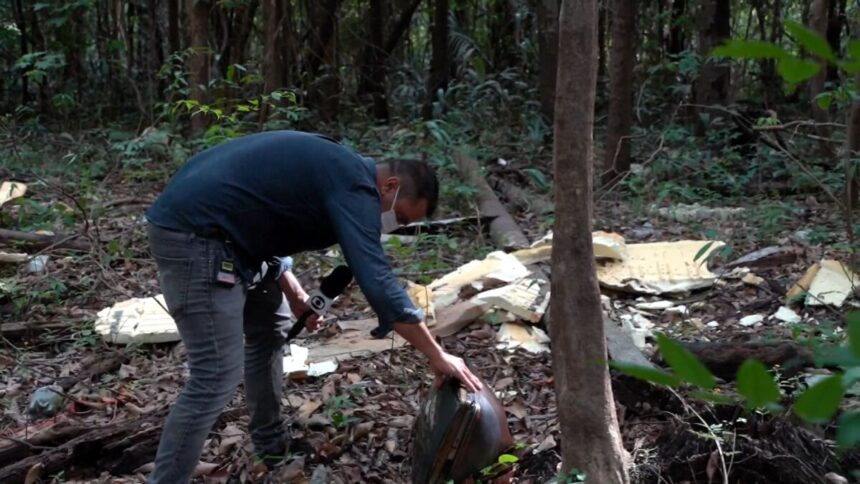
x: 389, y: 218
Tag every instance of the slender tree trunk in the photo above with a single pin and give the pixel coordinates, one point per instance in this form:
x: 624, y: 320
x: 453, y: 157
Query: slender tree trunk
x: 502, y: 35
x: 273, y: 67
x: 199, y: 75
x: 835, y: 25
x: 371, y: 83
x: 677, y: 31
x: 324, y: 89
x: 173, y: 38
x: 440, y: 65
x: 547, y: 13
x: 243, y: 24
x: 713, y: 84
x: 586, y: 409
x: 289, y: 52
x: 818, y: 10
x: 602, y: 21
x: 620, y: 117
x: 21, y: 23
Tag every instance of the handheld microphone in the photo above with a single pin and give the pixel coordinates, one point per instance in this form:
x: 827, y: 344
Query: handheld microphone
x: 320, y: 300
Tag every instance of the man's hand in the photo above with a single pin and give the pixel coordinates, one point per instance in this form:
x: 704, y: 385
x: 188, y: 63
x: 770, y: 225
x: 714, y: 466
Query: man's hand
x: 298, y: 300
x: 299, y: 306
x: 447, y: 364
x: 441, y: 362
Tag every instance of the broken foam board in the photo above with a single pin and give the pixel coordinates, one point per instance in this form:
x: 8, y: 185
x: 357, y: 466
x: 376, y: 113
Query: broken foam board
x: 139, y: 320
x: 527, y: 298
x: 496, y: 267
x: 297, y: 364
x: 11, y: 190
x: 661, y: 268
x: 606, y: 245
x: 530, y: 338
x: 827, y: 282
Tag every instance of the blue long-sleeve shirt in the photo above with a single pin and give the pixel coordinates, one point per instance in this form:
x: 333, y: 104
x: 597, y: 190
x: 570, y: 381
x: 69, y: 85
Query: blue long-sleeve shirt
x: 279, y: 193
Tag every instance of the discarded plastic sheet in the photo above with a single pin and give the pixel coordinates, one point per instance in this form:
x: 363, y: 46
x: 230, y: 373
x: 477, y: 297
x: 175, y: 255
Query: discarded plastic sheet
x: 11, y: 190
x: 497, y: 266
x: 689, y: 213
x: 527, y: 298
x: 751, y: 320
x: 14, y: 257
x: 140, y: 320
x: 661, y: 268
x: 786, y: 315
x: 422, y: 297
x: 530, y: 338
x: 827, y: 282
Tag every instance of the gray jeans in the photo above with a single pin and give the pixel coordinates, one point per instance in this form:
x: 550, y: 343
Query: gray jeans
x: 210, y: 321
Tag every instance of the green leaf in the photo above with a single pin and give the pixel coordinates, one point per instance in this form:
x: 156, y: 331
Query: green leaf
x: 711, y: 396
x: 684, y: 363
x: 824, y: 100
x: 819, y: 402
x: 508, y: 459
x: 848, y: 433
x: 652, y: 375
x: 853, y: 318
x: 538, y: 177
x: 810, y: 40
x: 796, y: 70
x: 749, y: 49
x: 756, y: 384
x: 704, y: 250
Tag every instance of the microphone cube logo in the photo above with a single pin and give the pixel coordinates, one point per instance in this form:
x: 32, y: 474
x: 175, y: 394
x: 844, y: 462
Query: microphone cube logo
x: 317, y: 303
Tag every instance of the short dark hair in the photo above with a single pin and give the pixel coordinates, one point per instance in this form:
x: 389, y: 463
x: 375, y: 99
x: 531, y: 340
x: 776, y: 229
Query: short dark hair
x: 420, y: 181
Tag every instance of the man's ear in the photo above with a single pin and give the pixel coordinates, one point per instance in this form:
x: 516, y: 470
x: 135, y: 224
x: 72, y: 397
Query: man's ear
x: 391, y: 183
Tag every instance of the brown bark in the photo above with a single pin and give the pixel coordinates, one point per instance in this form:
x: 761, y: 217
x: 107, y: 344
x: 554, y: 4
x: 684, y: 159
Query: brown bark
x: 852, y: 160
x: 324, y: 91
x: 712, y: 86
x: 273, y: 66
x: 371, y: 85
x: 504, y: 231
x: 602, y: 20
x: 401, y: 27
x: 547, y: 14
x: 592, y: 440
x: 199, y: 66
x: 440, y: 66
x: 243, y: 24
x: 818, y: 23
x: 173, y: 39
x: 835, y: 24
x: 620, y: 116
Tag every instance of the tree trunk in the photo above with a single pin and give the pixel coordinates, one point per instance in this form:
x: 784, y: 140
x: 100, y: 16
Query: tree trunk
x: 592, y: 440
x: 818, y: 10
x: 835, y: 24
x: 243, y: 24
x: 712, y: 86
x: 21, y: 23
x: 502, y: 32
x: 273, y: 66
x: 440, y: 66
x: 677, y: 31
x: 547, y: 14
x: 324, y: 89
x: 173, y: 39
x: 199, y: 75
x: 852, y: 160
x: 602, y: 20
x: 620, y: 116
x: 371, y: 84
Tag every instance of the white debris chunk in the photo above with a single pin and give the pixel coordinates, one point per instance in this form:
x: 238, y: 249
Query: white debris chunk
x: 10, y: 190
x: 786, y: 315
x: 13, y: 257
x: 713, y: 324
x: 530, y: 338
x: 139, y: 320
x: 683, y: 213
x: 654, y: 305
x: 832, y: 284
x: 498, y: 266
x: 522, y: 298
x: 751, y: 320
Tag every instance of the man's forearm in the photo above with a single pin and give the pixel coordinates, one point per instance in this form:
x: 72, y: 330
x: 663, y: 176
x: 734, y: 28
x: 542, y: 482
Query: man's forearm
x: 419, y: 336
x: 291, y: 287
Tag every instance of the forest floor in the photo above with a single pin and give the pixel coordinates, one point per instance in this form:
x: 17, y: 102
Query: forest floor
x: 359, y: 418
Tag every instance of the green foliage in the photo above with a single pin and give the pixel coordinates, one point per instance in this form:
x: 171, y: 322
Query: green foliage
x: 571, y: 477
x: 819, y: 402
x: 335, y: 408
x: 684, y: 363
x: 757, y: 385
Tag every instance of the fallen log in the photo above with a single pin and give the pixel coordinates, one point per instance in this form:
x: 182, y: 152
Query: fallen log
x: 504, y: 230
x: 724, y: 359
x: 520, y: 199
x: 43, y: 240
x: 23, y: 329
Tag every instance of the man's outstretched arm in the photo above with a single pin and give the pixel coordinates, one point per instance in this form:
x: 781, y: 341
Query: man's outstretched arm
x: 441, y: 363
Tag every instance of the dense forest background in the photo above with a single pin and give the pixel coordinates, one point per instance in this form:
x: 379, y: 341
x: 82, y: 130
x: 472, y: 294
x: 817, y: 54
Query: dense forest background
x: 712, y: 120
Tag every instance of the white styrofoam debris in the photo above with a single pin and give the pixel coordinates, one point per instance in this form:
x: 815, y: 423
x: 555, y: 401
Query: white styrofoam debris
x: 751, y: 320
x: 713, y: 324
x: 140, y: 320
x: 530, y: 338
x: 787, y: 315
x: 522, y: 298
x: 654, y: 305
